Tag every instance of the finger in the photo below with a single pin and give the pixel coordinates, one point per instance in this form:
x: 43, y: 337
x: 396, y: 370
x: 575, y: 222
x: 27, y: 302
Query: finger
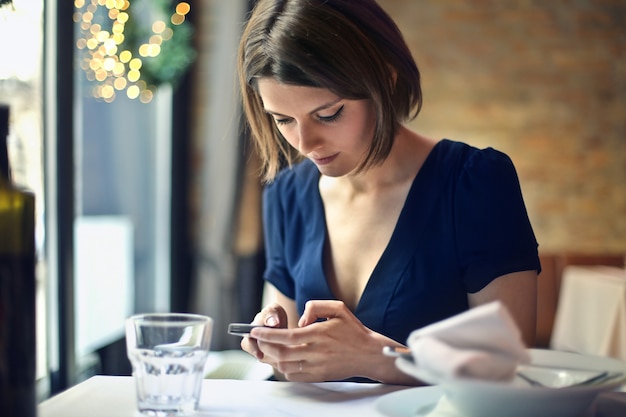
x: 321, y: 309
x: 290, y: 369
x: 302, y: 371
x: 283, y: 358
x: 289, y: 337
x: 259, y: 318
x: 276, y: 336
x: 251, y: 346
x: 274, y: 315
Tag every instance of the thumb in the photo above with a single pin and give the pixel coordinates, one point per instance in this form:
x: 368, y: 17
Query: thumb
x: 315, y: 310
x: 275, y: 316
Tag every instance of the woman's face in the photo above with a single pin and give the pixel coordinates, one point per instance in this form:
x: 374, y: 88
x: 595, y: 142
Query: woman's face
x: 332, y: 132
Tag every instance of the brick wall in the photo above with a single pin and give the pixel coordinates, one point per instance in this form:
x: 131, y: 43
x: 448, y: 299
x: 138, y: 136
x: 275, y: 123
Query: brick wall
x: 545, y: 82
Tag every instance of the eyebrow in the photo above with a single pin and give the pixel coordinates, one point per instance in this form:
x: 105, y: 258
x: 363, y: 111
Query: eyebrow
x: 315, y: 110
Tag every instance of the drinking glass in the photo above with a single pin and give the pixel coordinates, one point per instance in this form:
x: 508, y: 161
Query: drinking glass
x: 168, y: 352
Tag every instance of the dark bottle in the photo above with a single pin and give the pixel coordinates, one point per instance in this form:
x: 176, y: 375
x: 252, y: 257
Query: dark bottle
x: 17, y: 290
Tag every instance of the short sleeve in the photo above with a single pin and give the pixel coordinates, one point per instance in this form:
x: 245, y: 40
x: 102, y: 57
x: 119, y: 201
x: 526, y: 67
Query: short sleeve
x: 276, y: 271
x: 494, y: 234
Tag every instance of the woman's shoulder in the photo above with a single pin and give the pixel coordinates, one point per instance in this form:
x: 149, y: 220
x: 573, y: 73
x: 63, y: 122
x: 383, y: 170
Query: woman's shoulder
x: 466, y: 157
x: 472, y: 173
x: 294, y: 179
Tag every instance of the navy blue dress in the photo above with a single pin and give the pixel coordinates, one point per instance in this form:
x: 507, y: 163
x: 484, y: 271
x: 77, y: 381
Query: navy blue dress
x: 463, y: 224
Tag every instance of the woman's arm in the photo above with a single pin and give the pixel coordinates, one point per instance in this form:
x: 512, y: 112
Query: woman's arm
x: 518, y: 292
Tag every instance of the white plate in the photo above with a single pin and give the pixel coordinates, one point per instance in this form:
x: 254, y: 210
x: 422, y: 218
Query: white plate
x: 485, y: 399
x: 414, y: 402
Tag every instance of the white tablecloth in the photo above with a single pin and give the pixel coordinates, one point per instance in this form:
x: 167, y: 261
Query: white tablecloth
x: 591, y: 314
x: 114, y: 396
x: 111, y: 396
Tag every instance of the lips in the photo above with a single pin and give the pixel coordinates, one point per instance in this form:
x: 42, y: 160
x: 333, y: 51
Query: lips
x: 326, y: 160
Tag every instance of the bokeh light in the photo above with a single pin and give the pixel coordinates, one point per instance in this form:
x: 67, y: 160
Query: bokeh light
x: 107, y: 60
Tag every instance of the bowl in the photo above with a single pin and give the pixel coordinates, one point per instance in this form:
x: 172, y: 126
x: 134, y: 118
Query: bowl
x: 556, y: 397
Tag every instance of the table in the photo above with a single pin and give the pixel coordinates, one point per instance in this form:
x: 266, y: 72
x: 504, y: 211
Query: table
x: 114, y: 396
x: 591, y: 314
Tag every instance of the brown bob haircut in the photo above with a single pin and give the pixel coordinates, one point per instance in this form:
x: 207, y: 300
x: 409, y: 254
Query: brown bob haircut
x: 350, y: 47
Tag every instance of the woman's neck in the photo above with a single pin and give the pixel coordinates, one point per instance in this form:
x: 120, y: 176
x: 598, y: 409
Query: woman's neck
x: 408, y: 153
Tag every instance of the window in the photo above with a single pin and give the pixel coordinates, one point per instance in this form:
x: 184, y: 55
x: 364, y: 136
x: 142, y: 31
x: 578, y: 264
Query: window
x: 21, y: 35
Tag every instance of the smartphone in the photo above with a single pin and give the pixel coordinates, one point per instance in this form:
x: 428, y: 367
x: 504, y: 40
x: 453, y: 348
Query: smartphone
x: 241, y: 329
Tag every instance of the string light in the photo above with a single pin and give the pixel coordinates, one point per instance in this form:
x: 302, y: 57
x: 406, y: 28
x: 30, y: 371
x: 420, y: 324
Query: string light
x: 117, y: 61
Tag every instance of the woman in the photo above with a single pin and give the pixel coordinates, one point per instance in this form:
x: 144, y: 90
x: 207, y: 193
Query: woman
x: 371, y: 230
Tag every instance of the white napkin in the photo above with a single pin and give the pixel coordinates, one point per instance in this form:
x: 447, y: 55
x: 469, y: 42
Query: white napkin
x: 483, y: 342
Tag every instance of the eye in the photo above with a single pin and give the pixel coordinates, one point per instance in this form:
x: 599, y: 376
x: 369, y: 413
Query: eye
x: 283, y: 121
x: 332, y: 118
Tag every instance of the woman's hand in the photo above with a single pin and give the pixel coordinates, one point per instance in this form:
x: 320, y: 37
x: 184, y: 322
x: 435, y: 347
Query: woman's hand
x: 273, y: 315
x: 330, y: 343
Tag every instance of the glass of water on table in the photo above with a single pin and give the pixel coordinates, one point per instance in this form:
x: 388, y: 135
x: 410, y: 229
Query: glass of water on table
x: 168, y: 352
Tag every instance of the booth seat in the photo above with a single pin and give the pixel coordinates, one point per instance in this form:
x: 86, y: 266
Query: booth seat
x: 549, y: 285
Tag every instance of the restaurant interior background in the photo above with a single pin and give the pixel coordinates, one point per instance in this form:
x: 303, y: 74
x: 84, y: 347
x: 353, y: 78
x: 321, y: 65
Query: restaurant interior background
x: 149, y: 201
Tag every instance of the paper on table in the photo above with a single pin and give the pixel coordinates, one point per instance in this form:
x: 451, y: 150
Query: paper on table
x: 280, y: 399
x: 483, y: 342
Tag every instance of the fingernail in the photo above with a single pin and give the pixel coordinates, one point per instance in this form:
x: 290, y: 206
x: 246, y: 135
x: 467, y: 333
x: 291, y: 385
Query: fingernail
x: 271, y: 321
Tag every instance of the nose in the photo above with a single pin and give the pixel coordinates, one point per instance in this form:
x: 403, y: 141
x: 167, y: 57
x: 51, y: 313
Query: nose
x: 308, y: 139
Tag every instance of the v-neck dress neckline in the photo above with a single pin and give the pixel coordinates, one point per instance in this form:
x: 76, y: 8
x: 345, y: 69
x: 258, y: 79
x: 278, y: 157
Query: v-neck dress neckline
x: 396, y: 254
